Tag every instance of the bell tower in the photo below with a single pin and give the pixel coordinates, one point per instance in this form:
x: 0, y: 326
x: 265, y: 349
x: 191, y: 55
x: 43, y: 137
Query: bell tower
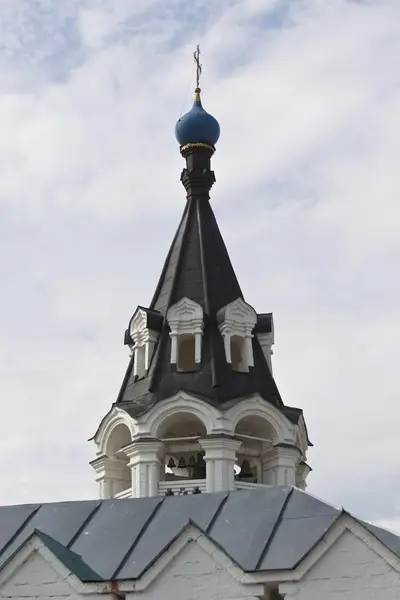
x: 199, y: 410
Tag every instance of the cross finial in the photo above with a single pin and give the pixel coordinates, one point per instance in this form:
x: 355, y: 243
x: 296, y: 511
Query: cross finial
x: 196, y: 56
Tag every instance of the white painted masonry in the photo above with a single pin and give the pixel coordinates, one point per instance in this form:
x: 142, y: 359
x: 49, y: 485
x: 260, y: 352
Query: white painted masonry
x: 350, y: 570
x: 279, y: 460
x: 35, y: 573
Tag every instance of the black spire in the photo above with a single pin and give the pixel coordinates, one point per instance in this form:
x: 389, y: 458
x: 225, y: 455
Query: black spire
x: 198, y: 267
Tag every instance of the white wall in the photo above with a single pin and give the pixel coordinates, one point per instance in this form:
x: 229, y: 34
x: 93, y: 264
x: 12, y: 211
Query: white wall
x: 350, y: 570
x: 36, y: 579
x: 194, y: 575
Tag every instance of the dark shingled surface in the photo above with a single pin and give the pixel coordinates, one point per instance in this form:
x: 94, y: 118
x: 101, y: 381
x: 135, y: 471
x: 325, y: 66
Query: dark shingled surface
x: 261, y: 530
x: 198, y: 267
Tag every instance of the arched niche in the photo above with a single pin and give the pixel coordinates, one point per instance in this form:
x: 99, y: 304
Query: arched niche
x: 181, y: 424
x: 257, y: 437
x: 119, y: 437
x: 184, y: 458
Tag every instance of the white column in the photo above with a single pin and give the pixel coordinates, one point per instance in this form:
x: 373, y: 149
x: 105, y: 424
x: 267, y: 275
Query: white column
x: 149, y: 345
x: 249, y: 350
x: 174, y: 346
x: 145, y: 461
x: 110, y: 473
x: 303, y: 469
x: 220, y: 459
x: 279, y: 465
x: 197, y: 342
x: 227, y: 346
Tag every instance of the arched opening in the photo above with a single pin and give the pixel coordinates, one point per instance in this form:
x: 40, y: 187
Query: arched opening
x: 121, y: 473
x: 238, y: 361
x: 186, y: 359
x: 257, y: 436
x: 184, y: 457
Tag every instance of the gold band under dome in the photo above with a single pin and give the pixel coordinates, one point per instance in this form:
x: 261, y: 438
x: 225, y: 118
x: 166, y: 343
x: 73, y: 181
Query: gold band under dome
x: 197, y: 145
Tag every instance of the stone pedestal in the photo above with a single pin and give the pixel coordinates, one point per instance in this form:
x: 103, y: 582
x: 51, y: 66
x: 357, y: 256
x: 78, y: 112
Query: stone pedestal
x: 145, y: 464
x: 220, y: 459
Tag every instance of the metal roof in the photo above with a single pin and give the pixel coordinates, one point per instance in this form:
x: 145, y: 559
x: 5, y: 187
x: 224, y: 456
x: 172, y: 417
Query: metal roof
x: 261, y: 530
x: 198, y: 267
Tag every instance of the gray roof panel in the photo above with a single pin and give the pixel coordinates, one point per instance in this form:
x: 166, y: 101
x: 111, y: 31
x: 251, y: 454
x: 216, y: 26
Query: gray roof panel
x: 302, y: 505
x: 12, y: 518
x: 293, y: 539
x: 389, y: 539
x: 261, y: 530
x: 303, y: 522
x: 108, y: 537
x: 173, y: 515
x: 246, y: 523
x: 61, y: 521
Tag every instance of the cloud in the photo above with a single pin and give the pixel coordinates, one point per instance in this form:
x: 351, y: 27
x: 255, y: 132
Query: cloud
x: 307, y: 95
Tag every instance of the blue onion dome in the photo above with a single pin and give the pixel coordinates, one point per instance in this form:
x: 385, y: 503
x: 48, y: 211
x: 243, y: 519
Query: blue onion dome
x: 197, y: 126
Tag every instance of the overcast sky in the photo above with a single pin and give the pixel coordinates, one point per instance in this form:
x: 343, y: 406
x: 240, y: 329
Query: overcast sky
x: 307, y: 93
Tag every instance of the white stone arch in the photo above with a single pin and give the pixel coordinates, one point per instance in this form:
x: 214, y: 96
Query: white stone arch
x: 284, y: 430
x: 152, y: 422
x: 115, y: 418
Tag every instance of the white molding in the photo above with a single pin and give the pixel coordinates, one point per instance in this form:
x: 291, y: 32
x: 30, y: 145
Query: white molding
x: 144, y: 341
x: 182, y: 403
x: 285, y: 431
x: 116, y: 417
x: 238, y: 319
x: 185, y: 317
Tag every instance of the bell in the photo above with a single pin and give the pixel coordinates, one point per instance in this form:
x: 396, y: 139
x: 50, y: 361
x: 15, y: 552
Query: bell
x: 192, y: 461
x: 181, y: 464
x: 171, y: 463
x: 245, y: 471
x: 200, y: 459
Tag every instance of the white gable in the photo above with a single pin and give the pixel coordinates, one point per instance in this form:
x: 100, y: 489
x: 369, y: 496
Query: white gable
x: 194, y: 574
x: 35, y: 578
x: 350, y: 570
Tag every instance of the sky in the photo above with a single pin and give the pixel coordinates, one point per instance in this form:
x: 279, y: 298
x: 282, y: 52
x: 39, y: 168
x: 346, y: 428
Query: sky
x: 307, y: 93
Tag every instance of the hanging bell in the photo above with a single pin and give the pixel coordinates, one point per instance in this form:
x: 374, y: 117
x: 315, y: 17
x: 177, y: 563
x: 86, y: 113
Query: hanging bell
x: 192, y: 461
x: 171, y: 463
x: 200, y: 459
x: 181, y: 464
x: 245, y: 471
